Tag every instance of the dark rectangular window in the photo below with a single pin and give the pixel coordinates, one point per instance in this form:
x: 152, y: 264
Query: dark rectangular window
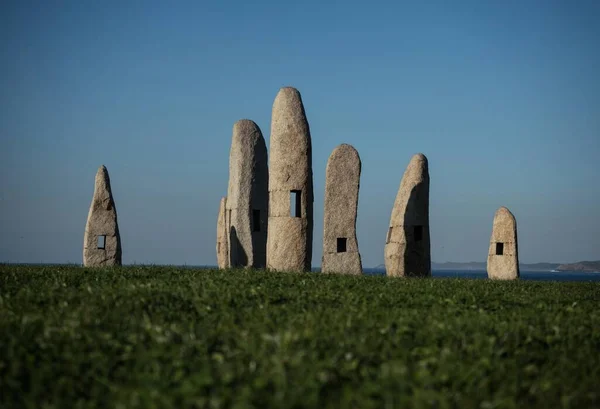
x: 389, y: 235
x: 341, y: 244
x: 499, y: 249
x: 418, y: 230
x: 255, y: 220
x: 101, y: 242
x: 296, y: 203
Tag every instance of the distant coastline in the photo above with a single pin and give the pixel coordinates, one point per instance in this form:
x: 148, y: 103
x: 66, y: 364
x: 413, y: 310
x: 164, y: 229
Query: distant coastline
x: 586, y: 266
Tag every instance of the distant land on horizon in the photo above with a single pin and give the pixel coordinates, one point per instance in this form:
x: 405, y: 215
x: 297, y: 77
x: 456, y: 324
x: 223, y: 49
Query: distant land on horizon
x: 476, y: 265
x: 580, y: 266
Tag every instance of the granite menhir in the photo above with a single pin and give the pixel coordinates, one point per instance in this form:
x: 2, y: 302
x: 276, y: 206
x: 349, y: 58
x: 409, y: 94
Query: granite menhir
x: 342, y: 182
x: 247, y: 196
x: 290, y: 229
x: 407, y: 245
x: 101, y: 240
x: 503, y: 254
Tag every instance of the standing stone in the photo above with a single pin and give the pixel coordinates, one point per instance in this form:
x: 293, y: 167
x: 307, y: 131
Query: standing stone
x: 407, y: 246
x: 101, y: 240
x: 503, y: 255
x: 342, y: 182
x: 289, y: 242
x: 247, y: 196
x: 222, y: 245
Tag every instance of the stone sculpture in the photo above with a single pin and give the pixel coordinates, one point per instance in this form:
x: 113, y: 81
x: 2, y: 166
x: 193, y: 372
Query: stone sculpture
x: 101, y: 240
x: 222, y: 244
x: 290, y: 229
x: 407, y: 246
x: 503, y: 254
x: 247, y: 196
x: 342, y: 182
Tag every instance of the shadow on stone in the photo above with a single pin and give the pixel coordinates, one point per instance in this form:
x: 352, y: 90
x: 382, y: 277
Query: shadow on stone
x: 237, y: 256
x: 416, y: 251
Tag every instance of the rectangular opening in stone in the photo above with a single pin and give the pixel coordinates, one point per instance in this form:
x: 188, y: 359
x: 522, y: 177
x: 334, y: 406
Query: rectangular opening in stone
x: 255, y: 220
x: 389, y: 235
x: 101, y: 242
x: 418, y: 231
x: 499, y: 249
x: 296, y: 203
x: 341, y: 244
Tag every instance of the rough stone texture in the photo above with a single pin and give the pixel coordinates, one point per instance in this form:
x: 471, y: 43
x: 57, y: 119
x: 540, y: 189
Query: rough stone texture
x: 222, y: 243
x: 289, y: 242
x: 102, y: 221
x: 503, y: 266
x: 407, y: 254
x: 247, y: 193
x: 342, y: 182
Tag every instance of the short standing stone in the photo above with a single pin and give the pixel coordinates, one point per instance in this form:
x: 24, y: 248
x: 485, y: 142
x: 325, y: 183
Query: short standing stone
x: 290, y: 231
x: 222, y: 246
x: 101, y: 240
x: 247, y: 196
x: 503, y: 255
x: 342, y: 182
x: 407, y: 246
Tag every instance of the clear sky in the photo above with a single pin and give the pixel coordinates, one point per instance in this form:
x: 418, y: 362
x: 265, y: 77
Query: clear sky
x: 503, y: 97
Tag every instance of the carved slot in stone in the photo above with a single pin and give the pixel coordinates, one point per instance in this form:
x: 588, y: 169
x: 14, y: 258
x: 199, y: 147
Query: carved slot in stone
x: 296, y: 203
x: 341, y: 244
x: 499, y: 249
x: 101, y: 242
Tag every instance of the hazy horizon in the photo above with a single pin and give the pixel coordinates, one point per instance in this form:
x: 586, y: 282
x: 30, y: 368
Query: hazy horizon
x: 503, y: 99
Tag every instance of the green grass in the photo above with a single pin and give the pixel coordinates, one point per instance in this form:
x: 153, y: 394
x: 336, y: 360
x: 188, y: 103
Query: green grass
x: 146, y: 337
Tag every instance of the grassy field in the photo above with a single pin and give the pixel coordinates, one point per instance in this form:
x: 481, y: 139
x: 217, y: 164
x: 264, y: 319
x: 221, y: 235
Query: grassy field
x: 149, y: 337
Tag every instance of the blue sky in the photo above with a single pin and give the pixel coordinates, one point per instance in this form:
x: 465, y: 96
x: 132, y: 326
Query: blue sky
x: 503, y: 97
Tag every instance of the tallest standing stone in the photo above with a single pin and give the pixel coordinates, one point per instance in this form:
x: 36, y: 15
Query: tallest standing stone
x: 290, y: 225
x: 101, y: 240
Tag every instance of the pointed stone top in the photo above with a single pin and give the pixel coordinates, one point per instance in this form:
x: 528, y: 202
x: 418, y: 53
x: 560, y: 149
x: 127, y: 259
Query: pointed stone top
x: 417, y: 169
x: 102, y: 184
x: 504, y: 213
x: 419, y: 157
x: 102, y: 172
x: 289, y: 99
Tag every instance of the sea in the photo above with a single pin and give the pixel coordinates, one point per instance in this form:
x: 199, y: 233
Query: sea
x: 524, y: 275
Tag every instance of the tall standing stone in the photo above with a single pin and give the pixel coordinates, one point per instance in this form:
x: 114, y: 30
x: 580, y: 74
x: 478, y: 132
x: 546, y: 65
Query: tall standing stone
x: 407, y: 246
x: 222, y: 242
x: 101, y: 240
x: 289, y: 242
x: 342, y: 182
x: 247, y: 196
x: 503, y: 254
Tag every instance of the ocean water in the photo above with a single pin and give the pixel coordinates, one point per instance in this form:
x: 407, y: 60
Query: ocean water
x: 525, y: 275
